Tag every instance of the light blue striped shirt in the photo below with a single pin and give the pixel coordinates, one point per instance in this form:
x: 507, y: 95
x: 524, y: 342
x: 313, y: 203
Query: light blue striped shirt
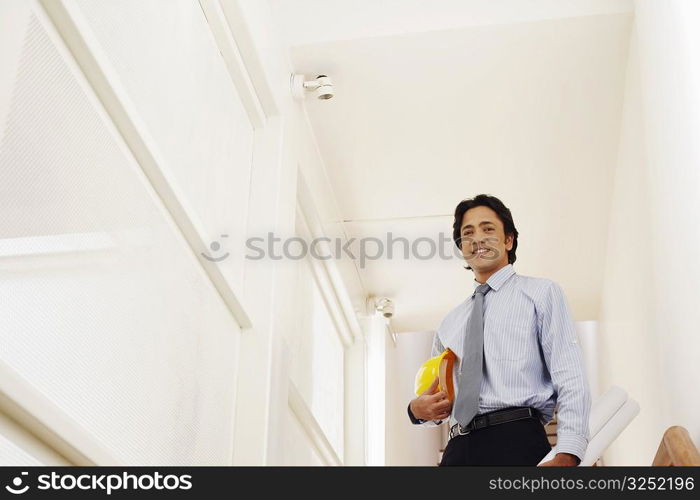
x: 531, y: 353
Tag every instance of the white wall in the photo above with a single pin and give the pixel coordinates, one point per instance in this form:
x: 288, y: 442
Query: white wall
x: 649, y: 312
x: 113, y: 332
x: 407, y: 444
x: 669, y: 48
x: 377, y: 371
x: 285, y: 150
x: 628, y: 341
x: 315, y: 353
x: 143, y: 151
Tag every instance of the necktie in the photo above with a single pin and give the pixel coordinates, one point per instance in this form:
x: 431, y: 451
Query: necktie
x: 471, y: 365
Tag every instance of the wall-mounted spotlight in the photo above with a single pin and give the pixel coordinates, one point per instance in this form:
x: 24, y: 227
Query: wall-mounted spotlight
x: 385, y: 307
x: 322, y: 85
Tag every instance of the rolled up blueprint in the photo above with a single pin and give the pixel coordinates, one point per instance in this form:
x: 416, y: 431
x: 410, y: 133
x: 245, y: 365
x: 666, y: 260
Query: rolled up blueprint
x: 603, y: 415
x: 610, y: 431
x: 604, y: 408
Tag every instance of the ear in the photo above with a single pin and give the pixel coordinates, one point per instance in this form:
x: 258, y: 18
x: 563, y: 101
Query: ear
x: 509, y: 242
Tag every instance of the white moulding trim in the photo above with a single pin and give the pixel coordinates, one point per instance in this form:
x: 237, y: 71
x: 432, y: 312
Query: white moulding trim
x: 233, y: 60
x: 315, y: 230
x: 249, y: 45
x: 328, y: 290
x: 311, y: 427
x: 53, y: 244
x: 21, y: 401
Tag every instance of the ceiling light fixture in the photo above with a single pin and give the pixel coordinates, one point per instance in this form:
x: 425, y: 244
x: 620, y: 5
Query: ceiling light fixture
x: 322, y: 85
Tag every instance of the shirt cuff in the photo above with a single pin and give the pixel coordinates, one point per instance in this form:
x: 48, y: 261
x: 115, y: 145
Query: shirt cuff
x: 414, y: 420
x: 572, y: 443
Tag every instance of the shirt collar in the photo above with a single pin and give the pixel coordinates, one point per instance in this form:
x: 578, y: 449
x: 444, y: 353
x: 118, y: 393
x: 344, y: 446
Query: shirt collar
x: 497, y: 279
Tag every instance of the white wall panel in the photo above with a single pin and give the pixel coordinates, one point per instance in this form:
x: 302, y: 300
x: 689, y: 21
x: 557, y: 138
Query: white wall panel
x: 298, y: 448
x: 19, y: 447
x: 13, y: 455
x: 172, y: 71
x: 127, y: 337
x: 317, y: 358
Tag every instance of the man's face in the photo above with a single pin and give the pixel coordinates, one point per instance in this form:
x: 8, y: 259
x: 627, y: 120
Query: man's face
x: 484, y: 244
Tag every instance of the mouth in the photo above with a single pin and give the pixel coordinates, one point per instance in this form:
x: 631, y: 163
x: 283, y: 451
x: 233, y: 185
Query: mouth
x: 481, y: 252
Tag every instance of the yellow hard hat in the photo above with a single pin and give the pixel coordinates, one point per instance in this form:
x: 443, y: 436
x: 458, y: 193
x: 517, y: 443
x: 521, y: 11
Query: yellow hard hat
x: 439, y: 367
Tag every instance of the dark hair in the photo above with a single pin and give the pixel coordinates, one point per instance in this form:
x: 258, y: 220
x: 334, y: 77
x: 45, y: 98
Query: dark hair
x: 503, y: 213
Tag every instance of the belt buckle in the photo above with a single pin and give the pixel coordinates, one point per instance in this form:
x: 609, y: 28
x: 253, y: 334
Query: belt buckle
x: 459, y: 431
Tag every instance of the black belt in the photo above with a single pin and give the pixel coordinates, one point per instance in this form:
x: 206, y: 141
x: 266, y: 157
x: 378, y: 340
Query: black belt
x: 493, y: 418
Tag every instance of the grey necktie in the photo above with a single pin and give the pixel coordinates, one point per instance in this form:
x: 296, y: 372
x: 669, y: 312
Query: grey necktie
x: 471, y: 365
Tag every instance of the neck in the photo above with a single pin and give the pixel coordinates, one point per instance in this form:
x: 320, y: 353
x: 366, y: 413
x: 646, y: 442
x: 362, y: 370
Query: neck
x: 482, y: 276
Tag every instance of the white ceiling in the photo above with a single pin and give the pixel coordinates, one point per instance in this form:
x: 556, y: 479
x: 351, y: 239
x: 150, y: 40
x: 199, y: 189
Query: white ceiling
x: 316, y: 21
x: 440, y: 101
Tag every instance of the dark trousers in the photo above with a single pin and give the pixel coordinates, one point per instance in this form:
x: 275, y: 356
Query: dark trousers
x: 521, y: 442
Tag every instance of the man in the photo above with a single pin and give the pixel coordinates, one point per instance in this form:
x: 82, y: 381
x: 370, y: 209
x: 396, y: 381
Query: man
x: 518, y: 356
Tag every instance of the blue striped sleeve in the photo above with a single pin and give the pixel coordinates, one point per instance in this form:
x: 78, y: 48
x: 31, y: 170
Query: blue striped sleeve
x: 564, y: 360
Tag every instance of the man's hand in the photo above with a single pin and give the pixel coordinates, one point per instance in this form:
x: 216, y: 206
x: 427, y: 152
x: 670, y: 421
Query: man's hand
x: 562, y: 460
x: 431, y: 405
